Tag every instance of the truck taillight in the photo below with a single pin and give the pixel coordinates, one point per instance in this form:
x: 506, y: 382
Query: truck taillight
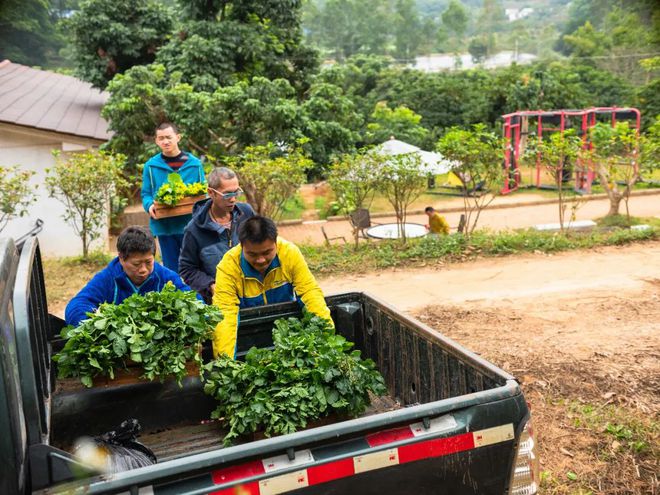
x: 525, y: 480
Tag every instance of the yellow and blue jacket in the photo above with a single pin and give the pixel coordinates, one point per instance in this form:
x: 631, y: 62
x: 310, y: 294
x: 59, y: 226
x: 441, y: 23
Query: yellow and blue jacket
x: 239, y: 285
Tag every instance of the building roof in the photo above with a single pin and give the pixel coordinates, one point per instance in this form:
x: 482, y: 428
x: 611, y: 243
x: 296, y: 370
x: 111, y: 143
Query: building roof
x: 52, y: 102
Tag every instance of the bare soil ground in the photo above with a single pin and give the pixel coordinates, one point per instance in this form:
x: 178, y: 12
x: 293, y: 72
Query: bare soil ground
x: 580, y: 330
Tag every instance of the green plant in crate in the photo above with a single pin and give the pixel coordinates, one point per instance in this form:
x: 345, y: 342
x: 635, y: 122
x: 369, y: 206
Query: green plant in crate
x: 310, y: 373
x: 174, y: 190
x: 161, y: 330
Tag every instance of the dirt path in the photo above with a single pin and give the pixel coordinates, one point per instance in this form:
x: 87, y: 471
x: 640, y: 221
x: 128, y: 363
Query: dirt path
x: 511, y: 217
x: 580, y: 330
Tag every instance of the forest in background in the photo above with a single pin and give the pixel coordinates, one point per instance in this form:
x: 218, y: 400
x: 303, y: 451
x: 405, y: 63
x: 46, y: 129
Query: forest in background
x: 331, y: 74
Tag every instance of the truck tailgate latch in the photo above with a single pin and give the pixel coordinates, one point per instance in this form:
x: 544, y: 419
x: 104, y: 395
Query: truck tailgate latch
x: 426, y: 422
x: 291, y: 454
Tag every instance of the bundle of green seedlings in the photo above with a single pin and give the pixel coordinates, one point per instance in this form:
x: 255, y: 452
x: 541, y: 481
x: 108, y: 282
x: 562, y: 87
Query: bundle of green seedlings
x: 310, y: 373
x: 159, y: 330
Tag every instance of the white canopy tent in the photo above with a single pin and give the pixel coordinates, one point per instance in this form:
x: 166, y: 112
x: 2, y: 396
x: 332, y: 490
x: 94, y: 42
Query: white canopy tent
x: 434, y: 162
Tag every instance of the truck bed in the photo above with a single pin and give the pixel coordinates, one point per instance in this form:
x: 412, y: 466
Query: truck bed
x: 186, y: 439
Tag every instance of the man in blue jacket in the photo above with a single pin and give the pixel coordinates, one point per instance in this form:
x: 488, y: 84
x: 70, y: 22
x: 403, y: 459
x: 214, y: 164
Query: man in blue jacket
x: 169, y: 231
x: 133, y: 271
x: 212, y: 231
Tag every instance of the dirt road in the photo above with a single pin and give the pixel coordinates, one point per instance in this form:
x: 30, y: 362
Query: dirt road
x: 507, y: 216
x: 580, y: 330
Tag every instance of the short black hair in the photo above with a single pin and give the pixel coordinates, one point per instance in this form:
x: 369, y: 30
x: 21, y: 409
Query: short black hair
x: 165, y: 125
x: 429, y: 209
x: 257, y: 229
x: 135, y: 239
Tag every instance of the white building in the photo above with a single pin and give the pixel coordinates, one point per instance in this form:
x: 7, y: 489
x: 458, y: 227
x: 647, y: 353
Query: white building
x: 42, y: 111
x: 516, y: 14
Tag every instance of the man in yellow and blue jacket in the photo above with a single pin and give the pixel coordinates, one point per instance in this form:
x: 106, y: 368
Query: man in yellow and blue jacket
x: 262, y: 269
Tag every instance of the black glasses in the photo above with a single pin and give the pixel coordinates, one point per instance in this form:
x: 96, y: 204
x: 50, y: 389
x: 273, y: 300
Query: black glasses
x: 227, y: 195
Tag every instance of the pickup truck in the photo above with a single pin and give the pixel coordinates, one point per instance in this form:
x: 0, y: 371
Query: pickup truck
x: 453, y: 423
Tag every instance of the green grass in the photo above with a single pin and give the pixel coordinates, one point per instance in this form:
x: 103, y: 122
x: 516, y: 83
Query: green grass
x: 368, y: 256
x: 635, y: 435
x: 95, y: 258
x: 623, y: 221
x: 293, y: 208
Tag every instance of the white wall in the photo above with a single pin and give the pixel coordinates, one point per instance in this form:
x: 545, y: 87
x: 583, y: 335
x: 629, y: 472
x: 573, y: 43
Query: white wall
x: 33, y: 152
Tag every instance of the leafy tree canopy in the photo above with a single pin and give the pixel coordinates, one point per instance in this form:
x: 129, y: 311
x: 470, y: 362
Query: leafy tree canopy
x: 400, y: 123
x: 27, y: 32
x: 111, y: 37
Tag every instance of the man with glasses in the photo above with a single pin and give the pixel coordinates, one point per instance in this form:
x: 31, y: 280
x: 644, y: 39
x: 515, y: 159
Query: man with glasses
x: 212, y: 231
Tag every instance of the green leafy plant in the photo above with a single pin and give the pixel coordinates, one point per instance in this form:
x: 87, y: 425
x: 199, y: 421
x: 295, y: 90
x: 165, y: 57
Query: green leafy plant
x: 16, y: 195
x: 402, y: 181
x: 354, y: 180
x: 86, y: 183
x: 310, y: 373
x: 174, y: 190
x: 614, y: 158
x: 477, y: 154
x: 558, y: 154
x: 270, y: 175
x: 161, y: 330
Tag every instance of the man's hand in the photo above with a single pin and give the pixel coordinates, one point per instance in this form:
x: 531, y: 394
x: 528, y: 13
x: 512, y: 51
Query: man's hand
x: 212, y: 289
x: 152, y: 211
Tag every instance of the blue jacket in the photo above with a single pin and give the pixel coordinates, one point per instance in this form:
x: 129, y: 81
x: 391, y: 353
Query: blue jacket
x: 155, y: 175
x: 204, y: 244
x: 113, y: 285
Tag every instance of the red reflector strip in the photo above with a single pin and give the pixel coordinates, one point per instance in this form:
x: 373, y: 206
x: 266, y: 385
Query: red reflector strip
x: 343, y: 468
x: 436, y: 448
x: 330, y: 471
x: 251, y: 488
x: 238, y: 472
x: 389, y: 436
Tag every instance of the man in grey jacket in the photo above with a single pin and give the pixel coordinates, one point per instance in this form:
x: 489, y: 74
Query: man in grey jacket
x: 212, y: 231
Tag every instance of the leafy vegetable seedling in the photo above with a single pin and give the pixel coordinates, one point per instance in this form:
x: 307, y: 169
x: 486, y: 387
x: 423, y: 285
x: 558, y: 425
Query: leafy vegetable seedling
x: 310, y: 373
x: 161, y: 330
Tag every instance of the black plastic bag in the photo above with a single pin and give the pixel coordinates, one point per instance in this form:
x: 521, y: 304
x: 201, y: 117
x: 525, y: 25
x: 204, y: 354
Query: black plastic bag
x: 118, y: 450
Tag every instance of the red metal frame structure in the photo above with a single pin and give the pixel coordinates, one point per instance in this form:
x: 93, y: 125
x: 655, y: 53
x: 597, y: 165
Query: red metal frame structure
x: 516, y: 129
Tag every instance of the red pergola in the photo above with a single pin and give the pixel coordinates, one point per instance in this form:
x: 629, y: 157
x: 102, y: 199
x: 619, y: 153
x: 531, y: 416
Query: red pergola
x: 517, y: 127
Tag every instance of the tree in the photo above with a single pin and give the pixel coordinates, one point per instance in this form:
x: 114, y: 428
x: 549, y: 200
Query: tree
x: 348, y: 27
x: 331, y: 123
x: 354, y: 180
x: 491, y: 19
x: 27, y: 32
x: 455, y: 20
x: 407, y: 29
x: 650, y: 147
x: 270, y: 176
x: 477, y: 154
x: 217, y: 123
x: 557, y: 154
x: 401, y: 123
x: 85, y: 183
x: 587, y: 42
x: 402, y: 180
x: 224, y: 42
x: 614, y: 158
x: 478, y: 48
x: 16, y: 195
x: 111, y: 36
